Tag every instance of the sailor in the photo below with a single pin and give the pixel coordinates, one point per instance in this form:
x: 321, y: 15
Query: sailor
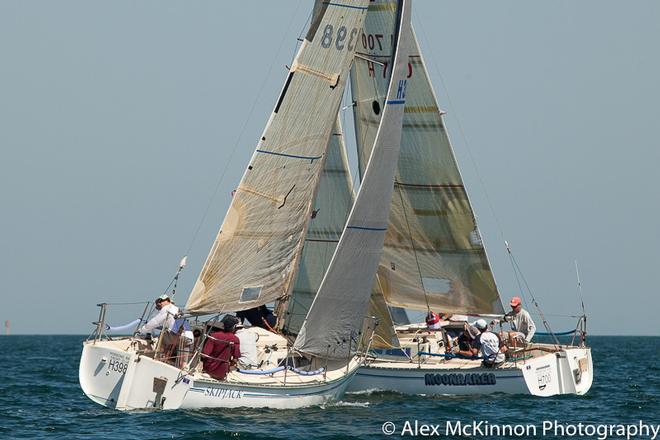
x: 466, y: 340
x: 433, y: 321
x: 522, y: 325
x: 260, y: 316
x: 167, y: 312
x: 248, y: 338
x: 490, y: 346
x: 222, y: 349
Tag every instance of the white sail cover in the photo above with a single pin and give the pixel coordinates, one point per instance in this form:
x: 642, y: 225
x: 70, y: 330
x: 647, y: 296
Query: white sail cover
x: 253, y: 258
x: 332, y: 204
x: 334, y: 322
x: 433, y: 254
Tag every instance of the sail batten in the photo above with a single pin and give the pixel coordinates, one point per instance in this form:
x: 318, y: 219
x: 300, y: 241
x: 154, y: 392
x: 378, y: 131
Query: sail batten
x: 433, y: 254
x: 254, y: 257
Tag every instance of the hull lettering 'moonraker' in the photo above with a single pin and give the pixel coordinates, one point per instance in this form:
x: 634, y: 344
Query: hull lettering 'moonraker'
x: 460, y: 379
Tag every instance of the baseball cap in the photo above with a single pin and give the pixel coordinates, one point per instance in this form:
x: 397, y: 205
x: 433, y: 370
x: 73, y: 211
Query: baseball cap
x: 515, y: 301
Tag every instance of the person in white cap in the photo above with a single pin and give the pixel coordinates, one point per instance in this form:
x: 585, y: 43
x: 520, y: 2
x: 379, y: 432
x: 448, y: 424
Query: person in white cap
x: 164, y: 318
x: 489, y: 344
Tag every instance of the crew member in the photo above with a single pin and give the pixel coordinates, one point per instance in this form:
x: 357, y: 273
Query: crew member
x: 222, y: 349
x: 522, y: 325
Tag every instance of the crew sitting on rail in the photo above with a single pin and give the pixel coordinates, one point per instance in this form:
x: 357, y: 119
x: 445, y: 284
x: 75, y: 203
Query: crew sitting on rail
x: 167, y: 312
x: 522, y: 325
x: 490, y: 346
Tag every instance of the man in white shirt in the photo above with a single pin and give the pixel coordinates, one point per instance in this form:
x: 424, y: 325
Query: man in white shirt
x: 491, y: 347
x: 164, y: 318
x: 248, y: 347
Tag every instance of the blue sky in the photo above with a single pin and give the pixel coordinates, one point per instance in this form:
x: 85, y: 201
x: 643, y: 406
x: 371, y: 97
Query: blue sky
x: 119, y: 119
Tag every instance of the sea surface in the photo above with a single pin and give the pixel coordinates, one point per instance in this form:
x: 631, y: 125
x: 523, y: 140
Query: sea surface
x: 40, y: 398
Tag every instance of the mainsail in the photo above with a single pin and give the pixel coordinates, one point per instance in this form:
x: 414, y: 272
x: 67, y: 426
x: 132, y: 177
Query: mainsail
x: 433, y: 255
x: 332, y: 204
x: 254, y: 256
x: 332, y: 326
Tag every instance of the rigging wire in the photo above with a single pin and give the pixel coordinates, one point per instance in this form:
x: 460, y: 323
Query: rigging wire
x: 517, y: 268
x: 241, y: 133
x: 412, y: 243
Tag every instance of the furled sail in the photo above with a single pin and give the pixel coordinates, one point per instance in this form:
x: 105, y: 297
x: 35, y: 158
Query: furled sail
x: 253, y: 258
x: 332, y: 204
x: 334, y: 322
x: 433, y: 255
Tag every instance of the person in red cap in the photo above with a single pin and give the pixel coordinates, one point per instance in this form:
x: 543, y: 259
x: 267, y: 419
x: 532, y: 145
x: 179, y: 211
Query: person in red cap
x: 522, y: 325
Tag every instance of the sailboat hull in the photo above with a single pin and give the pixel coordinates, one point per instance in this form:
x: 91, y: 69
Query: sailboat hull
x: 569, y: 371
x: 209, y: 394
x: 115, y: 375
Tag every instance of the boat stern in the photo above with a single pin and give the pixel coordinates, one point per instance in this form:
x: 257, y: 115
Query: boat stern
x: 114, y: 375
x: 568, y: 371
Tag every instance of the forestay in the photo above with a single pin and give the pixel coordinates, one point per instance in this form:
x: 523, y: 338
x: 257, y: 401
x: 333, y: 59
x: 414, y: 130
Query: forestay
x: 253, y: 258
x: 333, y: 324
x: 332, y: 204
x: 433, y: 254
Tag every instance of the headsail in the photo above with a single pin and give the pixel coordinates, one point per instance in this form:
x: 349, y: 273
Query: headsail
x: 333, y: 324
x: 433, y: 255
x: 332, y: 204
x: 253, y: 258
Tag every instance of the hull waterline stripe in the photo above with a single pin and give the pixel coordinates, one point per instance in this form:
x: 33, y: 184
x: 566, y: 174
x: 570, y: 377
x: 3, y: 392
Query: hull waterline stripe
x: 292, y: 156
x: 364, y: 228
x: 341, y: 5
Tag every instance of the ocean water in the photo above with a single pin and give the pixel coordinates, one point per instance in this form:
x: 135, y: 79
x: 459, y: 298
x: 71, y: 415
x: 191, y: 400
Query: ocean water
x: 40, y: 398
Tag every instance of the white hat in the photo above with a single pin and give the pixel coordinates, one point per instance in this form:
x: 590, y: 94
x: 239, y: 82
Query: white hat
x: 481, y: 324
x: 164, y: 297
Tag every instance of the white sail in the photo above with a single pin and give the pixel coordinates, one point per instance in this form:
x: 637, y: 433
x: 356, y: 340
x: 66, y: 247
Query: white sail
x: 433, y: 255
x: 332, y: 204
x: 332, y: 327
x: 253, y: 258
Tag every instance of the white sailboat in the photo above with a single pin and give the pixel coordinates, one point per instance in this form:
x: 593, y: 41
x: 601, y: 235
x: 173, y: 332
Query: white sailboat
x: 256, y: 255
x: 434, y: 258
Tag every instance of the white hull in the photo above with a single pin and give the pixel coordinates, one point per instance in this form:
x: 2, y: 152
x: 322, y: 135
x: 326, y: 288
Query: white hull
x: 114, y: 375
x: 212, y: 394
x: 570, y: 371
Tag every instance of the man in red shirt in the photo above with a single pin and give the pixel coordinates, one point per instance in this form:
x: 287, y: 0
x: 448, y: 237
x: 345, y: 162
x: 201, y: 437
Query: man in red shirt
x: 222, y: 349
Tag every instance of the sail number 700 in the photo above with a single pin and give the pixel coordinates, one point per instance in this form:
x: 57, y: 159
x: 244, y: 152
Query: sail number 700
x: 339, y: 39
